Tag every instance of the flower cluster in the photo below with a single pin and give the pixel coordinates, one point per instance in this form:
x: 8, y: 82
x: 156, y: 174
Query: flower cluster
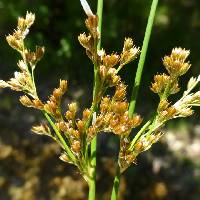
x: 107, y: 113
x: 164, y: 85
x: 24, y: 80
x: 113, y: 116
x: 176, y: 66
x: 52, y: 107
x: 106, y: 65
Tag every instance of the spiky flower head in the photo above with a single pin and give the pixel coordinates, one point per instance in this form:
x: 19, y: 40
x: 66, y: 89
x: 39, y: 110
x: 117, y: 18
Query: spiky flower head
x: 176, y: 64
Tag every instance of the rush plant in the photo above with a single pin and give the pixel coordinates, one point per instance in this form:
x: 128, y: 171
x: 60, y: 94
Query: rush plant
x: 107, y: 113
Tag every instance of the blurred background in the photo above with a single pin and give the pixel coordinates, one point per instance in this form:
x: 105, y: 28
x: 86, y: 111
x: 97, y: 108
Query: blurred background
x: 29, y: 164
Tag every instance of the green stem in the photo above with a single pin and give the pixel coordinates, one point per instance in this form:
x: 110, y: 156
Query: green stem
x: 142, y: 57
x: 92, y: 181
x: 142, y: 130
x: 61, y: 139
x: 138, y: 79
x: 116, y: 184
x: 99, y: 13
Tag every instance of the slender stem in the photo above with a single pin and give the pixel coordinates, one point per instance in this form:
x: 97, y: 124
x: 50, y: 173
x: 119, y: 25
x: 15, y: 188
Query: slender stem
x: 116, y: 184
x: 61, y: 139
x: 142, y: 57
x: 99, y: 13
x: 92, y: 182
x: 142, y: 130
x: 137, y: 80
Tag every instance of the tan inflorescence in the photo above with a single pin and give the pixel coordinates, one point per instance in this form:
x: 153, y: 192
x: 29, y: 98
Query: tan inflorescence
x: 52, y: 106
x: 113, y: 116
x: 107, y: 65
x: 164, y: 85
x: 24, y: 80
x: 176, y: 66
x: 107, y: 113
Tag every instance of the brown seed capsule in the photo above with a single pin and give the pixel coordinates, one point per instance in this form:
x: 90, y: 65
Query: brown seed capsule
x: 92, y: 131
x: 69, y: 115
x: 21, y: 23
x: 81, y: 125
x: 30, y: 18
x: 114, y: 121
x: 38, y: 104
x: 128, y: 44
x: 169, y: 113
x: 30, y: 57
x: 115, y: 79
x: 129, y: 53
x: 76, y: 146
x: 121, y: 130
x: 124, y: 118
x: 163, y: 105
x: 57, y: 93
x: 63, y: 126
x: 86, y: 114
x: 103, y: 72
x: 120, y: 92
x: 138, y: 147
x: 72, y: 107
x: 110, y: 61
x: 26, y: 101
x: 39, y: 53
x: 63, y: 86
x: 120, y: 107
x: 86, y: 41
x: 160, y: 83
x: 175, y: 63
x: 136, y: 121
x: 104, y: 104
x: 14, y: 43
x: 92, y: 24
x: 41, y: 129
x: 130, y: 158
x: 76, y: 134
x: 64, y: 157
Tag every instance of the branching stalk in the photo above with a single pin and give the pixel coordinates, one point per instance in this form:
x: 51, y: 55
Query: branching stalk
x: 61, y: 139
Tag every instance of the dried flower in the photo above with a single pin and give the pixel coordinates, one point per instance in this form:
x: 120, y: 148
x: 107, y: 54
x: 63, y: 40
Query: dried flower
x: 41, y: 129
x: 86, y: 41
x: 163, y: 82
x: 14, y: 42
x: 65, y: 158
x: 53, y: 105
x: 110, y: 61
x: 175, y: 63
x: 129, y: 53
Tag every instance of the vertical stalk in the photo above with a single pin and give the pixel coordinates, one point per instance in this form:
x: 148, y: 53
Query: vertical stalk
x: 92, y: 181
x: 116, y: 184
x: 137, y: 82
x: 142, y: 57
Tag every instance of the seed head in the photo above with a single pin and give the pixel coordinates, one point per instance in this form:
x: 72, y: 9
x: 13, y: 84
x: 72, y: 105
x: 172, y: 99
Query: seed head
x: 29, y: 20
x: 175, y: 63
x: 41, y: 129
x: 14, y: 42
x: 86, y: 41
x: 129, y: 53
x: 110, y: 61
x: 64, y: 157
